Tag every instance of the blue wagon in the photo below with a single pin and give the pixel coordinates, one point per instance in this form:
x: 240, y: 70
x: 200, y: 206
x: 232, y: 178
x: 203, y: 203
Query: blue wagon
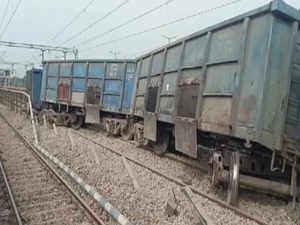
x: 33, y: 82
x: 79, y: 90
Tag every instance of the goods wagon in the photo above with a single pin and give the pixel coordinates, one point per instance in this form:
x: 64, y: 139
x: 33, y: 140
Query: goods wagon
x: 74, y: 91
x: 229, y: 93
x: 33, y: 82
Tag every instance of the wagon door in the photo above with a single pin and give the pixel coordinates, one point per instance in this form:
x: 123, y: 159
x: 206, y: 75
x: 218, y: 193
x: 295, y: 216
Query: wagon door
x: 153, y: 66
x: 94, y: 92
x: 64, y: 83
x: 188, y: 87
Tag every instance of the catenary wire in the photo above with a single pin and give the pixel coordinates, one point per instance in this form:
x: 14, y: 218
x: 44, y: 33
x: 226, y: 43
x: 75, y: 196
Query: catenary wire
x: 11, y: 18
x: 76, y: 17
x: 163, y: 25
x: 127, y: 22
x: 95, y: 22
x: 4, y: 14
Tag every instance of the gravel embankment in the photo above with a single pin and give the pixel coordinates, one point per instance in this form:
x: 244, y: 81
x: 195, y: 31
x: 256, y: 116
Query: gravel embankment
x: 106, y: 171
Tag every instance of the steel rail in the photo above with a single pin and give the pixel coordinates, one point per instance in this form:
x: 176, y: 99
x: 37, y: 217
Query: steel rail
x: 110, y: 209
x: 177, y: 181
x: 52, y: 170
x: 11, y: 196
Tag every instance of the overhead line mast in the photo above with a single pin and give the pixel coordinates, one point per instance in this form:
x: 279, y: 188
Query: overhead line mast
x: 42, y: 48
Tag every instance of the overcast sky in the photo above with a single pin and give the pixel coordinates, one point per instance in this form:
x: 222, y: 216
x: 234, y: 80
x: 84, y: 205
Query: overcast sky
x: 38, y: 21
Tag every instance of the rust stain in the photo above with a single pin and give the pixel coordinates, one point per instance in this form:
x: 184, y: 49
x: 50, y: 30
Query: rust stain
x: 63, y: 91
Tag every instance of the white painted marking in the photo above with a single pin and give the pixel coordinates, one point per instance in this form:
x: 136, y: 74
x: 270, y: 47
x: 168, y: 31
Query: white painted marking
x: 97, y: 196
x: 122, y: 220
x: 108, y: 206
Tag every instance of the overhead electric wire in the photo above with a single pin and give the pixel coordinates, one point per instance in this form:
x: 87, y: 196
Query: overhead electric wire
x: 10, y: 19
x: 4, y: 14
x: 77, y: 16
x: 96, y: 22
x: 163, y: 25
x: 127, y: 22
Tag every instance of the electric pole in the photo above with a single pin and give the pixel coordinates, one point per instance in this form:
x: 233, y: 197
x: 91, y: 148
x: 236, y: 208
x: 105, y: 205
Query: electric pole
x: 115, y: 54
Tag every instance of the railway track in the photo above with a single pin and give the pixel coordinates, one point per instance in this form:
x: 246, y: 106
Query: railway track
x: 8, y: 211
x: 41, y: 194
x: 209, y: 199
x: 175, y: 180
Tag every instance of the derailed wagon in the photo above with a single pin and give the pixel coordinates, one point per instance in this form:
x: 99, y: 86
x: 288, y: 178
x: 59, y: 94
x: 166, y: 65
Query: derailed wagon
x: 230, y: 94
x: 77, y: 90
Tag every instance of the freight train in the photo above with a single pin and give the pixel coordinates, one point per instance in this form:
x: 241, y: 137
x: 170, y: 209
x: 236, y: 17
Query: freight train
x: 228, y: 95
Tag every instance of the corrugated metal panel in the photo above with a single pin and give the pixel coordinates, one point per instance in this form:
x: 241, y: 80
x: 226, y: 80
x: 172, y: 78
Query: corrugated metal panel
x: 52, y: 82
x: 157, y: 65
x: 53, y: 69
x: 78, y: 85
x: 216, y: 115
x: 173, y: 56
x: 96, y: 70
x: 113, y: 86
x: 225, y: 44
x: 65, y: 69
x: 115, y: 70
x: 111, y: 102
x: 79, y: 69
x: 51, y: 95
x: 129, y: 88
x: 145, y: 66
x: 221, y: 78
x: 194, y: 52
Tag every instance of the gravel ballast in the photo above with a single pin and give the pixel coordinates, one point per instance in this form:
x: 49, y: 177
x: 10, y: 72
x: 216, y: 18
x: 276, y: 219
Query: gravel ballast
x: 147, y: 205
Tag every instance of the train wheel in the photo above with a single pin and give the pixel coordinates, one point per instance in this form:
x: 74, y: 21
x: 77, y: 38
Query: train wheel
x: 77, y: 121
x: 127, y: 132
x: 51, y: 116
x: 217, y: 168
x: 67, y: 120
x: 234, y: 179
x: 162, y: 144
